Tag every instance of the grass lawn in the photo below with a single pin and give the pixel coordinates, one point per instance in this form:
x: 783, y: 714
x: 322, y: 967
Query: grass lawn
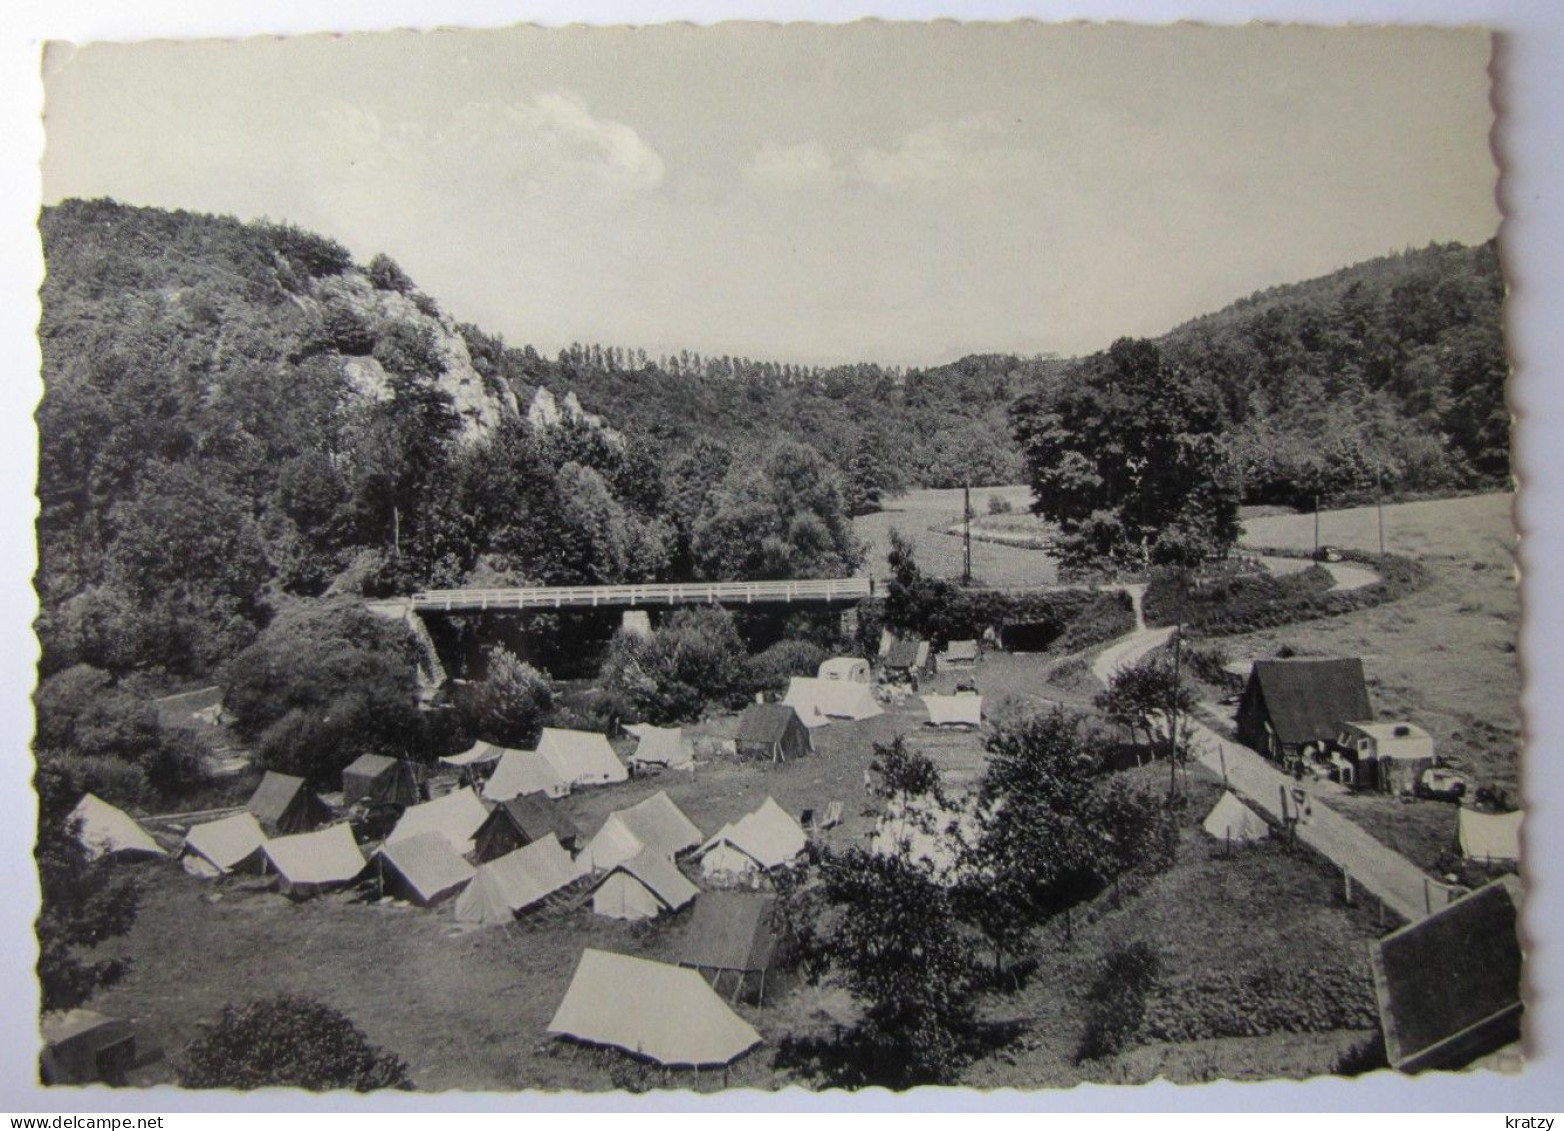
x: 939, y: 554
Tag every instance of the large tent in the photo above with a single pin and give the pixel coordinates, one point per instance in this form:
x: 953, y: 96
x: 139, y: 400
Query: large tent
x: 662, y: 746
x: 732, y: 932
x: 850, y: 668
x: 1232, y: 821
x: 478, y: 754
x: 755, y: 843
x: 104, y: 830
x: 581, y: 757
x: 655, y: 824
x: 423, y: 869
x: 663, y: 1013
x: 954, y: 710
x: 520, y: 821
x: 457, y: 816
x: 508, y: 885
x: 285, y: 804
x: 375, y: 779
x: 233, y: 844
x: 642, y: 887
x: 310, y: 863
x: 519, y: 773
x: 818, y: 701
x: 772, y: 731
x: 1489, y: 836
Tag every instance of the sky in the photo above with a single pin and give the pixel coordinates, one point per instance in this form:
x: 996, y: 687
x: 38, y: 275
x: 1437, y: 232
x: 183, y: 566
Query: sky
x: 900, y: 193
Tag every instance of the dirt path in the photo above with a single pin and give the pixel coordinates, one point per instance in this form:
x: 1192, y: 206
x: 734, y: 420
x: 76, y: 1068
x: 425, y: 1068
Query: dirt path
x: 1346, y: 576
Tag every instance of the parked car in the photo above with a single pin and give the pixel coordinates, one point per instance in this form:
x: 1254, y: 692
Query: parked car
x: 1327, y: 554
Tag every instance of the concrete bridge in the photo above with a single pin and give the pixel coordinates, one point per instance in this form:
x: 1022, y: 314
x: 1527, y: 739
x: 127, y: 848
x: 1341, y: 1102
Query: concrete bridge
x: 652, y: 594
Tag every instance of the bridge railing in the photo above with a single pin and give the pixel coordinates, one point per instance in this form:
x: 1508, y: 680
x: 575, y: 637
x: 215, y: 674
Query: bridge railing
x: 631, y: 596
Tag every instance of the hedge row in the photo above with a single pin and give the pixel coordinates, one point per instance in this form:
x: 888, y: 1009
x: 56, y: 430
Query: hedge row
x: 1260, y: 1001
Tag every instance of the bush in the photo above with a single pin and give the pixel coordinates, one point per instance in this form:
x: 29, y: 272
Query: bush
x: 771, y: 669
x: 508, y: 706
x: 386, y: 275
x: 1117, y: 1000
x: 998, y: 504
x: 695, y: 658
x: 1260, y: 1001
x: 289, y: 1041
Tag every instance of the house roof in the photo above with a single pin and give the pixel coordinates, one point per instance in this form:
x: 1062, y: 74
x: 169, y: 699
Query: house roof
x: 765, y: 723
x: 428, y: 862
x: 1447, y: 981
x: 326, y: 856
x: 731, y: 930
x: 227, y: 843
x: 769, y: 836
x: 105, y: 830
x: 456, y: 816
x: 665, y: 1013
x: 537, y: 817
x: 520, y: 772
x: 516, y: 881
x: 659, y: 875
x: 274, y: 795
x: 1308, y: 700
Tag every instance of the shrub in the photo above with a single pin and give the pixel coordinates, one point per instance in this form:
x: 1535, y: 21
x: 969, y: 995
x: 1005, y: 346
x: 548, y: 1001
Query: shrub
x: 695, y: 658
x: 387, y: 275
x: 509, y: 704
x: 289, y: 1041
x: 998, y: 504
x: 1117, y: 1000
x: 771, y: 669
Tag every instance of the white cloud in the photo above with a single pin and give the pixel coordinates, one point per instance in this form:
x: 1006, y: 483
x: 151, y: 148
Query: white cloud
x: 792, y: 165
x: 972, y: 149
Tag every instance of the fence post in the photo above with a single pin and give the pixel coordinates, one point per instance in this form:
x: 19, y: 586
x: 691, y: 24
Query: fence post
x: 1428, y: 901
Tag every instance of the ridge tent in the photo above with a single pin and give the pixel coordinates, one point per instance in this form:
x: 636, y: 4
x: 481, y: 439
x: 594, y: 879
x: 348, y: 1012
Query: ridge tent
x: 309, y: 863
x: 377, y: 780
x: 908, y: 657
x: 656, y: 825
x: 954, y: 710
x: 424, y: 869
x: 772, y: 731
x: 581, y: 757
x: 218, y: 847
x: 285, y: 804
x: 662, y: 746
x: 818, y: 701
x: 509, y: 884
x: 519, y: 822
x: 457, y: 816
x: 755, y: 843
x: 478, y: 754
x: 732, y: 931
x: 106, y: 831
x: 1489, y: 836
x: 1231, y: 820
x: 959, y: 655
x: 662, y: 1013
x: 847, y: 668
x: 522, y: 772
x: 642, y: 887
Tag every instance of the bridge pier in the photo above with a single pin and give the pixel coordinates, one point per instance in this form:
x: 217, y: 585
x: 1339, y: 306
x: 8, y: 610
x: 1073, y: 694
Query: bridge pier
x: 636, y: 622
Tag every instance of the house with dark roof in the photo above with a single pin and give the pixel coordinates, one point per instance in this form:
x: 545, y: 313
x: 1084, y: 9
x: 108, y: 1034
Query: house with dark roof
x: 521, y: 821
x: 283, y: 804
x: 1449, y: 986
x: 773, y: 732
x: 1291, y: 708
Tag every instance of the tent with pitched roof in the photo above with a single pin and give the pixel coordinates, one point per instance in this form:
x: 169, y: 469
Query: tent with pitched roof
x: 423, y: 869
x: 651, y: 1010
x: 754, y: 844
x: 509, y: 884
x: 581, y: 757
x: 655, y: 824
x: 821, y: 701
x: 520, y: 773
x: 310, y: 863
x: 233, y: 844
x: 959, y: 655
x: 519, y: 822
x: 104, y: 830
x: 733, y: 932
x: 662, y: 746
x: 457, y: 816
x: 772, y: 732
x: 1232, y: 821
x: 374, y: 779
x: 1492, y: 837
x: 642, y: 887
x: 480, y: 753
x: 954, y: 710
x: 285, y: 804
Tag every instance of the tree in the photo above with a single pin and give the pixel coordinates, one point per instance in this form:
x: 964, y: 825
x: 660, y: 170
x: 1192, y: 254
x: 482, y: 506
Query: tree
x: 1125, y: 456
x: 694, y: 659
x: 509, y: 704
x: 1151, y: 698
x: 289, y: 1041
x: 905, y: 775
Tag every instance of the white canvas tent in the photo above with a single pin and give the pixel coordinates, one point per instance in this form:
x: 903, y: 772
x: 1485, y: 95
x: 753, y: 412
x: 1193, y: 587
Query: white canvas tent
x: 849, y: 669
x: 819, y: 701
x: 479, y: 754
x: 1232, y: 821
x: 220, y: 847
x: 520, y: 772
x: 1489, y: 836
x: 656, y: 824
x: 755, y: 843
x: 954, y: 710
x: 425, y: 867
x: 509, y: 884
x: 456, y: 816
x: 581, y: 757
x: 662, y: 746
x: 312, y: 862
x: 665, y: 1014
x: 642, y: 887
x: 104, y: 830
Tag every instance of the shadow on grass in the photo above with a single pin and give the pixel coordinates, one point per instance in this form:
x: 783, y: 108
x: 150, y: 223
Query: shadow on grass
x: 848, y: 1058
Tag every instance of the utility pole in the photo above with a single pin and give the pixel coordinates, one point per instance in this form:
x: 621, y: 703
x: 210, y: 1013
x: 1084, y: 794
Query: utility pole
x: 1379, y: 505
x: 966, y: 535
x: 1316, y: 526
x: 1178, y: 685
